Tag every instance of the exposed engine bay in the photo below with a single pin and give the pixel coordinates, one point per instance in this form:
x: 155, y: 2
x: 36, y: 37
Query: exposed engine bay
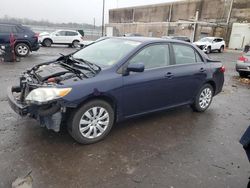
x: 51, y: 75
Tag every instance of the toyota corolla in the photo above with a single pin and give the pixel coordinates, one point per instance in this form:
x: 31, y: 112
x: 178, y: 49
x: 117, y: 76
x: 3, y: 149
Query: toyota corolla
x: 113, y: 80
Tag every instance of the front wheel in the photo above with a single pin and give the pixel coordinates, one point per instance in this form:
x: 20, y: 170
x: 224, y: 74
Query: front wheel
x: 203, y: 99
x: 47, y: 42
x: 221, y: 50
x: 22, y: 49
x: 208, y: 50
x: 75, y: 43
x: 92, y: 122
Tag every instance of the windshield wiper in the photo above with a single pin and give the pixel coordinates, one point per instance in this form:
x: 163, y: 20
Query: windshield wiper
x: 90, y: 65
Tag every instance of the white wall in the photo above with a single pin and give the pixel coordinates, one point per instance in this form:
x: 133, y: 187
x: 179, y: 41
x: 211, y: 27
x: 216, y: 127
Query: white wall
x: 240, y: 35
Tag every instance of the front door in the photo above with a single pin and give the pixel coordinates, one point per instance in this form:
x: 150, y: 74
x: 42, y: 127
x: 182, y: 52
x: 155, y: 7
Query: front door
x: 59, y: 37
x: 149, y: 90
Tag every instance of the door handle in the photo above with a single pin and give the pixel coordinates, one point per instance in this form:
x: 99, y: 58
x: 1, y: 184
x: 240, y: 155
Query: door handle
x: 202, y: 69
x: 169, y: 75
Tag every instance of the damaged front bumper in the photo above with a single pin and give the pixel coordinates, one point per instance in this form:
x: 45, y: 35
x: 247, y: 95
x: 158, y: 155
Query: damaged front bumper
x: 49, y: 115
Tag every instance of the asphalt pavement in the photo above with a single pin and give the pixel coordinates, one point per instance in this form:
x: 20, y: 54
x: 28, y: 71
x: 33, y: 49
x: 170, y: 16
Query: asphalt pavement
x: 175, y: 148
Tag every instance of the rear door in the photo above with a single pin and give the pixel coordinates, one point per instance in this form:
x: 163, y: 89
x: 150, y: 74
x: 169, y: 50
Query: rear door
x: 71, y: 36
x: 189, y: 73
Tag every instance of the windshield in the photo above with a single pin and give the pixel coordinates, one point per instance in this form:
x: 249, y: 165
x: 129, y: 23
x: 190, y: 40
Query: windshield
x: 206, y: 40
x: 107, y: 52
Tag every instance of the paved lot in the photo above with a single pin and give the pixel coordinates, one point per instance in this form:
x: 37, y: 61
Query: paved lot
x: 175, y: 148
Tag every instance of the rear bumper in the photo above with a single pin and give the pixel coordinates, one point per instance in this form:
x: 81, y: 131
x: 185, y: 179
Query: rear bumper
x: 242, y: 67
x: 35, y: 47
x: 17, y: 106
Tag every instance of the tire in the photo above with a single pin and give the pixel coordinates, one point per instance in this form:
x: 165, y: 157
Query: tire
x: 243, y: 74
x: 208, y: 50
x: 94, y: 127
x: 75, y: 43
x: 203, y: 99
x: 22, y: 49
x: 221, y: 50
x: 47, y: 42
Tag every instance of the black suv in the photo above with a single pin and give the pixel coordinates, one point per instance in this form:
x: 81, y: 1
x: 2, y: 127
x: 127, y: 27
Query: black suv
x: 25, y: 39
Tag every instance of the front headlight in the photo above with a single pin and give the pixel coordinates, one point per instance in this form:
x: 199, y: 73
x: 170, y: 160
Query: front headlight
x: 43, y: 95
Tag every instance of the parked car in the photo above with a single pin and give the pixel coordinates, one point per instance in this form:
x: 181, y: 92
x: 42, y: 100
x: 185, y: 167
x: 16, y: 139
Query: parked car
x: 26, y: 40
x: 116, y: 79
x: 83, y: 45
x: 210, y: 44
x: 182, y: 38
x: 243, y: 65
x: 64, y: 37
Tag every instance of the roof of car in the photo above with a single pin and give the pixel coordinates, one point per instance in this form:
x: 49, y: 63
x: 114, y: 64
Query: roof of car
x: 149, y: 39
x: 214, y: 37
x: 8, y: 23
x: 66, y: 30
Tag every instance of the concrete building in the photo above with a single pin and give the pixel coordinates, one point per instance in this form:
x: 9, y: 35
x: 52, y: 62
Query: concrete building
x: 193, y: 18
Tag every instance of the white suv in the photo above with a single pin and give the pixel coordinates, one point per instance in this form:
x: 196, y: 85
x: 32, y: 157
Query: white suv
x: 209, y: 44
x: 65, y: 37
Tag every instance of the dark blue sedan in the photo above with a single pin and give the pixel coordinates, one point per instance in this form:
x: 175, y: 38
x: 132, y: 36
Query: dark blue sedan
x: 116, y: 79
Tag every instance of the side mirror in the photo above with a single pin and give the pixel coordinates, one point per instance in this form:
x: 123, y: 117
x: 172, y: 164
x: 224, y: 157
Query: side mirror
x: 56, y: 34
x: 137, y: 67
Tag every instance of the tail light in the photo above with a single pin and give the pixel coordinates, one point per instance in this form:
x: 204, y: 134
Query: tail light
x: 243, y: 59
x: 222, y: 69
x: 36, y: 35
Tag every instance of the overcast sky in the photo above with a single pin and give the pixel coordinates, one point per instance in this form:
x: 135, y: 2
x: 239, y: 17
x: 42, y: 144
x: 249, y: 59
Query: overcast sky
x: 80, y: 11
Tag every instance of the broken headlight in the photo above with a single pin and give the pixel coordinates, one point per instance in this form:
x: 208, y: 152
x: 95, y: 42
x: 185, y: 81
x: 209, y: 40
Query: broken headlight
x: 44, y: 95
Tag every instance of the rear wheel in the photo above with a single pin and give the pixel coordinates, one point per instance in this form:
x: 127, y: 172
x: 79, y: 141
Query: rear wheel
x: 203, y: 99
x: 92, y: 122
x: 243, y: 74
x: 47, y: 42
x: 22, y: 49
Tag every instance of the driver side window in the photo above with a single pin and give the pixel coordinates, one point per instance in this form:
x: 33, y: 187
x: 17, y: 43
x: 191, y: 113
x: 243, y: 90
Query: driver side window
x: 153, y: 56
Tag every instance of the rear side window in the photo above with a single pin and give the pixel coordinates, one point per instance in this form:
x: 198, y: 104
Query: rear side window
x: 71, y: 33
x: 185, y: 54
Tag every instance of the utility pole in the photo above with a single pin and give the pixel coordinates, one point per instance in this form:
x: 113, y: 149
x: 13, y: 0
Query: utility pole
x: 230, y: 11
x: 195, y: 25
x: 228, y: 21
x: 103, y: 10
